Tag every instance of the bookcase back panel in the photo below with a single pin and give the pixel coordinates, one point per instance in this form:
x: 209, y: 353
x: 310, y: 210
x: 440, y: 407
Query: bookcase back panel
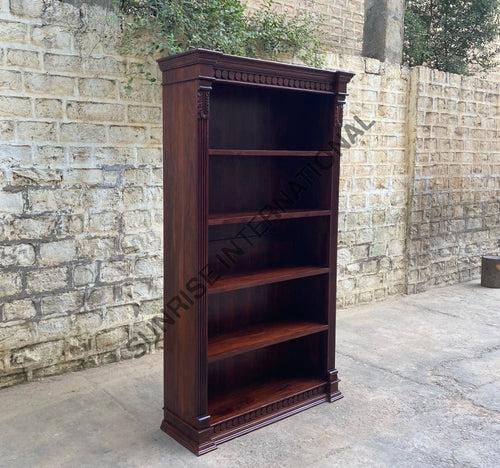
x: 239, y: 183
x: 248, y: 117
x: 302, y: 299
x: 243, y: 248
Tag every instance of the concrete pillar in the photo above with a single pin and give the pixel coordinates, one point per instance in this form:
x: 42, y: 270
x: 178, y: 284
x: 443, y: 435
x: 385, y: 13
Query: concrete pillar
x: 383, y: 30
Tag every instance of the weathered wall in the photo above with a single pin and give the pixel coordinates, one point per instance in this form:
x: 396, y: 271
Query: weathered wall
x: 341, y: 21
x: 374, y: 183
x: 455, y: 192
x: 81, y: 193
x: 80, y: 188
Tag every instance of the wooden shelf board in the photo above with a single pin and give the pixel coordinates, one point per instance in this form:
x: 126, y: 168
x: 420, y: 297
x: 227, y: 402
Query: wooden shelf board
x: 259, y: 336
x: 243, y: 400
x: 269, y: 276
x: 235, y: 218
x: 282, y: 153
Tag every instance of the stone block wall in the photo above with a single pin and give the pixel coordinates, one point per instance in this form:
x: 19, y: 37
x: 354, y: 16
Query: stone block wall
x: 374, y: 182
x: 455, y: 191
x: 80, y: 192
x: 81, y: 188
x: 341, y: 21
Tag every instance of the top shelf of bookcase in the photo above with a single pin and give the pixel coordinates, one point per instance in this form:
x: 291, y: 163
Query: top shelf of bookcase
x: 271, y: 153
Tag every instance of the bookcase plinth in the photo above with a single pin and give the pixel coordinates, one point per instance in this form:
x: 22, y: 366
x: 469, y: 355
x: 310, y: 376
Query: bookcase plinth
x: 202, y: 441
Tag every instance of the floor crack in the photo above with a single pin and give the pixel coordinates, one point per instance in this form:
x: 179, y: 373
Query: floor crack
x: 389, y: 371
x: 447, y: 314
x: 452, y: 392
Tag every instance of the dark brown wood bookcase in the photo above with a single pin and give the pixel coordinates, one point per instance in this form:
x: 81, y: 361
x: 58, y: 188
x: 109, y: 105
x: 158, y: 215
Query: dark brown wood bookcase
x: 251, y: 156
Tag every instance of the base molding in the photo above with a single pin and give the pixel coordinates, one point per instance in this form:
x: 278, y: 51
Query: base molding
x: 198, y: 448
x: 250, y: 426
x: 335, y: 396
x: 202, y: 441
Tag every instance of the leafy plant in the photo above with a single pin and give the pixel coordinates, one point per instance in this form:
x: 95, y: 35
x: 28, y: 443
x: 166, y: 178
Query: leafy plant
x: 272, y: 33
x: 165, y: 27
x: 452, y: 35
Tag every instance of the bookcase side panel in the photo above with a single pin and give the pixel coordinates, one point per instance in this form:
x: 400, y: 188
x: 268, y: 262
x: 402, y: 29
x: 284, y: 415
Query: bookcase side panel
x: 185, y: 347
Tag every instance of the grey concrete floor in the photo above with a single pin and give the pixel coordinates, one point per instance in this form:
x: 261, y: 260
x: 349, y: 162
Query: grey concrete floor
x: 420, y: 375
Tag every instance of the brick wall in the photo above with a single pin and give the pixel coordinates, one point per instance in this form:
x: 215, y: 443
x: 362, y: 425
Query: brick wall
x: 80, y: 187
x: 341, y: 21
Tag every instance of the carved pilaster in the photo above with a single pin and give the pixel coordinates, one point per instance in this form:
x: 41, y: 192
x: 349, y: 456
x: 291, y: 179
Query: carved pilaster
x: 203, y: 107
x: 340, y: 88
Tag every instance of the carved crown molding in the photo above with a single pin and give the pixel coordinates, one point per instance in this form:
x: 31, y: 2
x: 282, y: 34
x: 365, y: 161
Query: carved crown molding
x: 207, y: 66
x: 271, y: 80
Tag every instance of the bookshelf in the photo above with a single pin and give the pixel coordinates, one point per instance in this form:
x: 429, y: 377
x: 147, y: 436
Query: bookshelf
x: 251, y: 157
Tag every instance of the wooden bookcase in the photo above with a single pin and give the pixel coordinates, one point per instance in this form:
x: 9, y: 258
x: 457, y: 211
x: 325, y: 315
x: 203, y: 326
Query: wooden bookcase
x: 251, y: 156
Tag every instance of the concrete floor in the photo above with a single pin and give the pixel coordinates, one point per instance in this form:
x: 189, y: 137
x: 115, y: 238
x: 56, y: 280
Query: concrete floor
x: 420, y: 375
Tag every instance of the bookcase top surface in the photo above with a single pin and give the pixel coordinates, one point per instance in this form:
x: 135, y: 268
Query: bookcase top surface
x: 217, y: 66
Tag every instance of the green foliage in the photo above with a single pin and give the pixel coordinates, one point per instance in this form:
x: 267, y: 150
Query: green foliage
x: 165, y: 27
x: 457, y: 36
x: 272, y: 33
